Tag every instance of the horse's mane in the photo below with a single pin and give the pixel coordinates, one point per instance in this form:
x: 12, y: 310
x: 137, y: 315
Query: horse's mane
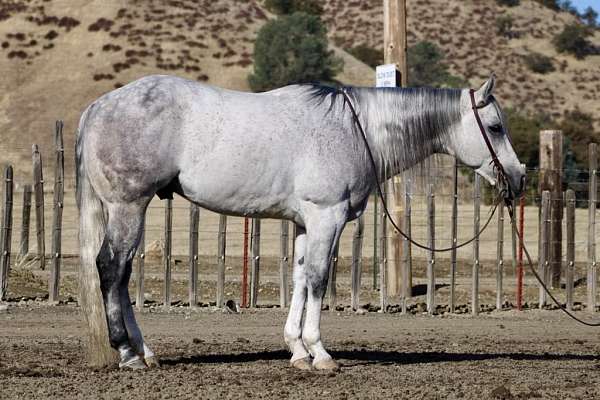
x: 404, y: 125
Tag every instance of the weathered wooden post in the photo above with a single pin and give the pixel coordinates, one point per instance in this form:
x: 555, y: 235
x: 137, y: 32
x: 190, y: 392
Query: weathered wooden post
x: 284, y: 263
x: 476, y: 221
x: 544, y: 264
x: 141, y: 257
x: 520, y: 253
x: 593, y: 199
x: 245, y: 265
x: 222, y: 243
x: 255, y: 266
x: 551, y: 156
x: 167, y: 255
x: 6, y: 231
x: 331, y: 283
x: 454, y: 236
x: 407, y: 248
x: 395, y: 50
x: 38, y: 188
x: 431, y: 254
x: 193, y: 256
x: 570, y: 205
x: 356, y: 271
x: 500, y: 257
x: 25, y: 219
x: 375, y: 241
x: 383, y: 300
x: 59, y: 194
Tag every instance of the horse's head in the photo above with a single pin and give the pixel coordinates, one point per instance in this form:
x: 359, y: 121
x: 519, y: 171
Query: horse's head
x: 470, y: 146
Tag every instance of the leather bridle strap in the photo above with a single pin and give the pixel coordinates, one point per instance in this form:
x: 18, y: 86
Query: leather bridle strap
x: 499, y: 169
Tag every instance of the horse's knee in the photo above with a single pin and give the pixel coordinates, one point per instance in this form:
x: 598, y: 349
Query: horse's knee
x: 316, y: 281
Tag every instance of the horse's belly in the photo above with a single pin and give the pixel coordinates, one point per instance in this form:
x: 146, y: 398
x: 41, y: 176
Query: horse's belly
x: 240, y: 193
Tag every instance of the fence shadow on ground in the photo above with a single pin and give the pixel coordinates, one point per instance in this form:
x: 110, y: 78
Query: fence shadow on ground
x: 377, y: 357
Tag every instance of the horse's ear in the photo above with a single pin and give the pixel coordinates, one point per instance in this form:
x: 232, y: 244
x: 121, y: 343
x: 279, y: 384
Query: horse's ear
x: 482, y: 95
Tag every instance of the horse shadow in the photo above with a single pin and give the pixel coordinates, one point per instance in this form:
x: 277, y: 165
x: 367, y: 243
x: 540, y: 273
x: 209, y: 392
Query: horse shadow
x: 376, y: 357
x: 421, y: 289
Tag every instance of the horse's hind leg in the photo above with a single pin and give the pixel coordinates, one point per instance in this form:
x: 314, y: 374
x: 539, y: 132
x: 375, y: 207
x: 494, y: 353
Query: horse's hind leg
x: 114, y: 267
x: 134, y: 333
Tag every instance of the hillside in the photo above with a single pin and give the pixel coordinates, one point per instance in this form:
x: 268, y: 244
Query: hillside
x: 58, y: 56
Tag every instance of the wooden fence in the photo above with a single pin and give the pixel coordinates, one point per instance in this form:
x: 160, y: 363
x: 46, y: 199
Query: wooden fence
x: 428, y: 202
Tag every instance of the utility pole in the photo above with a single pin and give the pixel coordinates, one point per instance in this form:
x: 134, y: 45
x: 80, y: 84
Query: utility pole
x: 395, y: 46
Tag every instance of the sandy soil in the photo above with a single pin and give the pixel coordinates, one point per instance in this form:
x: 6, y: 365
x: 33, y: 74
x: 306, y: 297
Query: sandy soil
x: 207, y: 354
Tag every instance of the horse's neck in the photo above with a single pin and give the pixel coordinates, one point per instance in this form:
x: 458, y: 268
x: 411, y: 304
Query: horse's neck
x: 407, y: 126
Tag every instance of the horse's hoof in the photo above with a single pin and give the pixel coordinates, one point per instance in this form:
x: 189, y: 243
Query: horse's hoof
x: 134, y: 363
x: 327, y: 365
x: 152, y: 362
x: 303, y: 364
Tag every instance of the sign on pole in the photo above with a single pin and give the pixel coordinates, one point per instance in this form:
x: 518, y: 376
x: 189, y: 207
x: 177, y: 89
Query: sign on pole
x: 387, y: 75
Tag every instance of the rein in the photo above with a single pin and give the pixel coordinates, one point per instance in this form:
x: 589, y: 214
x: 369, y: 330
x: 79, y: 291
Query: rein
x: 384, y: 203
x: 501, y: 179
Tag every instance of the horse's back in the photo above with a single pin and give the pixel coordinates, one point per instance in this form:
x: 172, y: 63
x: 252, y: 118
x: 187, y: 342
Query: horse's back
x: 236, y: 152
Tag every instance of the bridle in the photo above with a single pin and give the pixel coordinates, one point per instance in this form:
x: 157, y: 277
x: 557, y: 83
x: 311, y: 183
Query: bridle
x: 497, y: 167
x: 501, y: 177
x: 504, y: 188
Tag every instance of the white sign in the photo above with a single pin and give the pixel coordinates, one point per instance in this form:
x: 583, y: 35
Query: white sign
x: 386, y: 76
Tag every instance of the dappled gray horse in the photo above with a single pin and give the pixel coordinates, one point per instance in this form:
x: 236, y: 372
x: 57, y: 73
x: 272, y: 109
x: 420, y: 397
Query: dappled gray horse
x: 294, y: 153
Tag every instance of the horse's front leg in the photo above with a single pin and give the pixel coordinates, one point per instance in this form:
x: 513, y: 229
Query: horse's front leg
x: 293, y: 326
x: 323, y: 235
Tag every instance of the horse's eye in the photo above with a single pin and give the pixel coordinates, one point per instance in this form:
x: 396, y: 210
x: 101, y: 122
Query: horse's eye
x: 496, y: 128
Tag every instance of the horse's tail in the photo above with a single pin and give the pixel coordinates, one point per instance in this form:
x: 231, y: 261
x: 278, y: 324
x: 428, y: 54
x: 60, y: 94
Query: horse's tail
x: 92, y: 226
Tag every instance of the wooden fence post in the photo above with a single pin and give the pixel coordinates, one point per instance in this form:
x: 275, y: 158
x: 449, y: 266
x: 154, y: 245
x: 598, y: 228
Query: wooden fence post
x: 6, y: 231
x: 431, y: 254
x: 193, y: 278
x: 544, y: 257
x: 284, y: 263
x: 38, y: 188
x: 25, y: 219
x: 382, y: 253
x: 500, y: 257
x: 255, y: 266
x: 376, y: 255
x: 407, y: 248
x: 551, y: 158
x: 520, y: 253
x: 244, y: 300
x: 167, y: 255
x: 570, y: 204
x: 222, y: 243
x: 141, y: 256
x: 513, y: 237
x: 331, y: 283
x: 593, y: 193
x: 454, y: 236
x: 59, y: 194
x: 476, y: 221
x: 356, y: 271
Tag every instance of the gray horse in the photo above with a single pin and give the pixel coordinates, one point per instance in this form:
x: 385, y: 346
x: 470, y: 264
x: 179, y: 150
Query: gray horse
x: 294, y: 153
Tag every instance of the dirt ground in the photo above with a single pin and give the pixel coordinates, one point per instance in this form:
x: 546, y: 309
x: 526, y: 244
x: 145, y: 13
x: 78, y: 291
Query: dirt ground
x: 207, y: 354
